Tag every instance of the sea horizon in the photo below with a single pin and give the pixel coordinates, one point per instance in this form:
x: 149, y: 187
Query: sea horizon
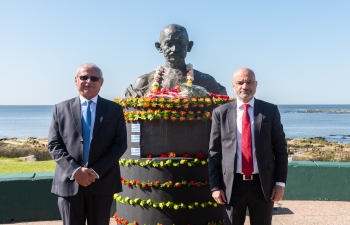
x: 330, y: 121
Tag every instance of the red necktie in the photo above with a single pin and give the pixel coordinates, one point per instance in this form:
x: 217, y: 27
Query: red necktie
x: 247, y: 155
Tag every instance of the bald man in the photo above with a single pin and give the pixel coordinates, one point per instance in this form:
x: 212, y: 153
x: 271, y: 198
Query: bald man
x: 174, y: 44
x: 247, y: 154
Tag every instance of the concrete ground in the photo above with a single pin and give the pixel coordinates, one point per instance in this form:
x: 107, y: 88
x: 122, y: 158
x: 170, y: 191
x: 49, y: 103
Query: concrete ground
x: 286, y: 213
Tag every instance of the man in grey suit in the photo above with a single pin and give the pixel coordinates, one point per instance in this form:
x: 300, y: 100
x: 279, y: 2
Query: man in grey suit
x: 247, y: 154
x: 86, y: 139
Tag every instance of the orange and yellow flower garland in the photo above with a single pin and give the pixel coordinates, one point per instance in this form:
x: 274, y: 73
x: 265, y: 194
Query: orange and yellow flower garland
x: 168, y: 204
x: 158, y: 184
x: 126, y: 222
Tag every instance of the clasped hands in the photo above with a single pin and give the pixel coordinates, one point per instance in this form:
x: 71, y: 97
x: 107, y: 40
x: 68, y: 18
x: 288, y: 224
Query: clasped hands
x: 276, y: 195
x: 85, y: 176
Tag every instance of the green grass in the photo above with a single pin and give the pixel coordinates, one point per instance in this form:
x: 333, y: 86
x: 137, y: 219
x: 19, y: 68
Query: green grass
x: 13, y: 165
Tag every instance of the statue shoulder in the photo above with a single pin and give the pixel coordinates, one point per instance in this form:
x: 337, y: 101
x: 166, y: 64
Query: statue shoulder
x: 144, y: 80
x: 208, y: 82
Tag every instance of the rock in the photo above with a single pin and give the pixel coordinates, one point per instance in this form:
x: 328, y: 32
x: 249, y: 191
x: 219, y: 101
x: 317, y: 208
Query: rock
x: 29, y: 158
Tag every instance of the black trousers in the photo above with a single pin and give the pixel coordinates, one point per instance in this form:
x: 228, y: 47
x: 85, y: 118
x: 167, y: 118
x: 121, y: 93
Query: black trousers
x: 76, y: 210
x: 248, y: 194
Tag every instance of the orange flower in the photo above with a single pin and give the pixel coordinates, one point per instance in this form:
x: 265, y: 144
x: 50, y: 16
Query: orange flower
x: 189, y: 118
x: 173, y: 111
x: 161, y: 106
x: 193, y: 99
x: 146, y: 104
x: 185, y: 100
x: 190, y: 112
x: 166, y: 118
x: 199, y: 112
x: 150, y: 111
x: 171, y: 154
x: 182, y: 118
x: 183, y: 113
x: 201, y: 106
x: 169, y: 106
x: 198, y: 118
x: 173, y: 118
x: 186, y: 106
x: 207, y: 114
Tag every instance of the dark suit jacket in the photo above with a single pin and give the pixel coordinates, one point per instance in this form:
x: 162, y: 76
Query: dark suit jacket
x: 270, y: 145
x: 107, y: 146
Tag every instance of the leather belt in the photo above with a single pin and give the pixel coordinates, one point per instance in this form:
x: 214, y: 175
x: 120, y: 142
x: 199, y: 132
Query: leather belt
x: 244, y: 177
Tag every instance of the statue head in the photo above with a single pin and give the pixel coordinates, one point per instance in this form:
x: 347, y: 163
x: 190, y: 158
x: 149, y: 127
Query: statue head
x: 174, y: 44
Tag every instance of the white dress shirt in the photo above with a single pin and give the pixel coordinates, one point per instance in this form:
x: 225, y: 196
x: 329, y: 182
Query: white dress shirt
x: 83, y: 106
x: 239, y: 115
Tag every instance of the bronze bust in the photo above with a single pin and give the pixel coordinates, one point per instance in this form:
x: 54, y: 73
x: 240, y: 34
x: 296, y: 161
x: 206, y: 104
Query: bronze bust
x: 174, y: 44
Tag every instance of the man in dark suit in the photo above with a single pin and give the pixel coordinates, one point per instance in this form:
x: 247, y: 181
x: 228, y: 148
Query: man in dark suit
x: 247, y: 154
x: 86, y: 139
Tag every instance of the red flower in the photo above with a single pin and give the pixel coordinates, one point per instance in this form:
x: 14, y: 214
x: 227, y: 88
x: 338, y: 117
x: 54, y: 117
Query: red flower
x: 163, y: 155
x: 157, y: 182
x: 177, y: 184
x: 170, y: 182
x: 164, y: 185
x: 192, y: 182
x: 186, y: 155
x: 200, y: 155
x: 184, y: 182
x: 133, y: 181
x: 149, y: 156
x: 138, y: 183
x: 121, y: 178
x: 150, y: 184
x: 198, y: 184
x: 128, y: 184
x: 206, y: 182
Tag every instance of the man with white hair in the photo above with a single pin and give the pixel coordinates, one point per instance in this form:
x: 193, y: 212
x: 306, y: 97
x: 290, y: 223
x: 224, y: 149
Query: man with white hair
x: 86, y: 139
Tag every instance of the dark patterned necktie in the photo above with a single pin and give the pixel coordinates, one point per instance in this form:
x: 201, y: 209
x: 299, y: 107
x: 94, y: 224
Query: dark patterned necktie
x: 247, y: 154
x: 86, y: 125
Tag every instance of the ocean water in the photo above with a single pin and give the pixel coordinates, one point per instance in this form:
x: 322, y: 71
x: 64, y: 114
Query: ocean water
x: 331, y: 123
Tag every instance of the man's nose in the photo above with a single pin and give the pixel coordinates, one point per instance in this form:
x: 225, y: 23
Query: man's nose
x: 174, y: 48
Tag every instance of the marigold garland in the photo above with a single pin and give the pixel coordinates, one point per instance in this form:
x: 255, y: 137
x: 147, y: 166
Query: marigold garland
x: 162, y: 163
x: 177, y: 103
x: 125, y: 222
x: 168, y: 204
x: 168, y: 184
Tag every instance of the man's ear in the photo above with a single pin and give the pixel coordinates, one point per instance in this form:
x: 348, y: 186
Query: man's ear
x: 157, y: 44
x: 190, y: 45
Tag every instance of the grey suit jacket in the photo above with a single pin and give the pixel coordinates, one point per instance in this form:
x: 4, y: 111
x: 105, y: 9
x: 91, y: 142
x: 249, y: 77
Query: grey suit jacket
x: 107, y: 146
x: 270, y: 145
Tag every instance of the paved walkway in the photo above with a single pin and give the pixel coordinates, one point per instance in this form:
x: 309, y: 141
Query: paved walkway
x: 286, y: 213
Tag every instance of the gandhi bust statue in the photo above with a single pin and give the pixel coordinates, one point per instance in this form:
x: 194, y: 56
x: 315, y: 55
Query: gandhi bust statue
x: 174, y: 44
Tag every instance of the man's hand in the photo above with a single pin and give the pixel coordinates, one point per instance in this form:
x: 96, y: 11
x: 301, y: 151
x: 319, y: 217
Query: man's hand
x: 219, y: 196
x: 277, y: 193
x: 84, y: 176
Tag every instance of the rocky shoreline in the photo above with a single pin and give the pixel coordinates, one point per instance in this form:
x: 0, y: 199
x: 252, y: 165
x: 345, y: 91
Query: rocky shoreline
x: 300, y: 149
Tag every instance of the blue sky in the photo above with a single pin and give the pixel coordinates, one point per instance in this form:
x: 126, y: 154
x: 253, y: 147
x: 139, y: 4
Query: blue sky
x: 299, y: 50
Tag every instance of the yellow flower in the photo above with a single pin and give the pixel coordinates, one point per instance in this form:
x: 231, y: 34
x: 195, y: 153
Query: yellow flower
x: 215, y: 204
x: 176, y: 207
x: 203, y: 162
x: 183, y: 161
x: 161, y: 163
x: 195, y: 160
x: 196, y: 203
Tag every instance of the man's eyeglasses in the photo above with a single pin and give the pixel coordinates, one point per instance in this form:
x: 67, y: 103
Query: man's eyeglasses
x: 92, y: 78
